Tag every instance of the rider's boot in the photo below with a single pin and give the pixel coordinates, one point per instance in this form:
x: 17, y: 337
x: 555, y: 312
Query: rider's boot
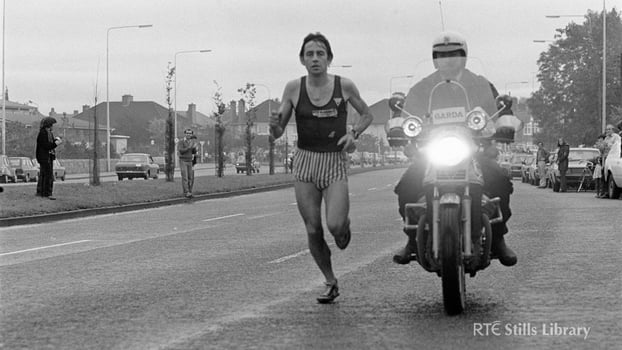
x: 506, y: 256
x: 408, y: 253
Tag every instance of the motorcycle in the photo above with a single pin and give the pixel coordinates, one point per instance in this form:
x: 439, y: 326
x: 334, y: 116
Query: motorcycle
x: 451, y: 222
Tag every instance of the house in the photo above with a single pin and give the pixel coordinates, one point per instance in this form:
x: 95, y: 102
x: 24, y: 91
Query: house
x: 139, y: 123
x: 22, y: 113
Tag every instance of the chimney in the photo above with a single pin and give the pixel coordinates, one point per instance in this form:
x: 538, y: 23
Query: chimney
x: 241, y: 111
x: 75, y: 112
x: 85, y: 108
x: 192, y: 113
x: 52, y: 112
x: 234, y: 118
x: 126, y: 100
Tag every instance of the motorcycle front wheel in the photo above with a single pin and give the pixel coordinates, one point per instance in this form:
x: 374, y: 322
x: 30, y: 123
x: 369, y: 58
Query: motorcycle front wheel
x: 452, y: 268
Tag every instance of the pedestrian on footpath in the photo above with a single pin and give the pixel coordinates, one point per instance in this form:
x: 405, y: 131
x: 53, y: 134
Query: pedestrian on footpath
x: 45, y: 153
x: 187, y: 148
x: 562, y: 162
x: 320, y: 101
x: 542, y: 156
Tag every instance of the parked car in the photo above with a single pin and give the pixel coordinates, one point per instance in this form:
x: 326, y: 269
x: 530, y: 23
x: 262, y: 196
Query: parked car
x: 7, y: 173
x: 59, y: 170
x: 516, y: 164
x: 613, y: 172
x: 132, y: 165
x: 24, y: 169
x: 580, y: 167
x: 161, y: 162
x: 240, y: 165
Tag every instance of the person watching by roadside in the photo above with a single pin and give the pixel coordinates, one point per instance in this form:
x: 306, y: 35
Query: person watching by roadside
x: 187, y: 148
x: 45, y: 153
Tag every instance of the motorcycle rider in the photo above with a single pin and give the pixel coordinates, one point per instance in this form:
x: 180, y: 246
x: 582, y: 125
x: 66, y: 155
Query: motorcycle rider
x: 449, y: 53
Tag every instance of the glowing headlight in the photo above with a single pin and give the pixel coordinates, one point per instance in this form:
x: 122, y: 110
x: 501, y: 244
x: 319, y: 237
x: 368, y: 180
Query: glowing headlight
x: 412, y: 126
x: 448, y: 151
x: 477, y: 119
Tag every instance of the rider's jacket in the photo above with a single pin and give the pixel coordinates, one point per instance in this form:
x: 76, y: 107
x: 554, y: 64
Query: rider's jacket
x: 320, y: 127
x: 479, y: 91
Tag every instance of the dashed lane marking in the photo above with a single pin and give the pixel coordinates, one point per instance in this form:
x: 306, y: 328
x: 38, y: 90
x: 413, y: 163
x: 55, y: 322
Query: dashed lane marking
x: 223, y: 217
x: 45, y: 247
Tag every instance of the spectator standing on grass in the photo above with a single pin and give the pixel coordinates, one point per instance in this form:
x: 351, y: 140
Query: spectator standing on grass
x: 45, y: 153
x: 562, y: 162
x: 187, y: 148
x: 542, y: 157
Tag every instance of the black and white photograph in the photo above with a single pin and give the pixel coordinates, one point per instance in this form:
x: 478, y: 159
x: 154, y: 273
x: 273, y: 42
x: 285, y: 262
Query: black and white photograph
x: 296, y: 174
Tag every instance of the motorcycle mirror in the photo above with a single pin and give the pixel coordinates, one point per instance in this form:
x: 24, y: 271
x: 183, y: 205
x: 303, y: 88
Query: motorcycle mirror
x: 396, y: 102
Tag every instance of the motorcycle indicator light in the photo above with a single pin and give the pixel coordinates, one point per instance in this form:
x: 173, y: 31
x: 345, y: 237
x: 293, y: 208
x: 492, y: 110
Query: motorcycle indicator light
x: 412, y: 126
x: 477, y: 119
x: 448, y: 151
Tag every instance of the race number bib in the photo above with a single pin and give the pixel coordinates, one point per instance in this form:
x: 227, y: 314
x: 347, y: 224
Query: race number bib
x: 449, y: 115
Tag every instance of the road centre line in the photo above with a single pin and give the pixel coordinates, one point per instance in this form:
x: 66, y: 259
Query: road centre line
x: 45, y: 247
x: 263, y: 215
x: 223, y: 217
x: 288, y: 257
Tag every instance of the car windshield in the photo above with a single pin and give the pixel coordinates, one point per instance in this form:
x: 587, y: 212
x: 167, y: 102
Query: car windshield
x: 133, y: 158
x: 583, y: 154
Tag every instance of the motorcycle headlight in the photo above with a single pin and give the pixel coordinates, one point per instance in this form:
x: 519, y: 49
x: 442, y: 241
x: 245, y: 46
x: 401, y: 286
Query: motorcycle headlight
x: 448, y: 151
x: 477, y: 119
x: 412, y: 126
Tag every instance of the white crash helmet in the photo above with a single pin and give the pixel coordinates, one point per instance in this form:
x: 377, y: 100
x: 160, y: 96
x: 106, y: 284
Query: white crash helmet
x: 448, y: 41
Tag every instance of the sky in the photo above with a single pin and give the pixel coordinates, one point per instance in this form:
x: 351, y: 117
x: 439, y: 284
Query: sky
x: 56, y: 53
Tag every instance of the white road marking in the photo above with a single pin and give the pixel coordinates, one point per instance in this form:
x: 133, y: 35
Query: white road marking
x: 371, y: 189
x: 288, y: 257
x: 45, y: 247
x: 223, y: 217
x: 262, y: 216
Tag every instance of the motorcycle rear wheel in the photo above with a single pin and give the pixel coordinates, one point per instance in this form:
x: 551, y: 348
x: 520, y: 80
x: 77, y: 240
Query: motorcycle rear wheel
x: 452, y: 267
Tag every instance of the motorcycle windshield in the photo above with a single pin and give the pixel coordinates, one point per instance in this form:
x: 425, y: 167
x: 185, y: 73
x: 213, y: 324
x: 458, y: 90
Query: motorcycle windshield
x: 440, y: 101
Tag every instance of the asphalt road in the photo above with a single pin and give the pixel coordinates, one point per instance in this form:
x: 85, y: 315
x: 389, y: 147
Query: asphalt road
x: 235, y: 273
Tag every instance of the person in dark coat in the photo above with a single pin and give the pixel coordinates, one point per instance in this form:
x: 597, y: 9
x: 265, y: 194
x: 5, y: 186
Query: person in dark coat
x: 45, y: 152
x: 562, y: 162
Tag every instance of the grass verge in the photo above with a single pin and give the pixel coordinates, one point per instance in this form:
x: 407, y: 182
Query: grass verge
x: 18, y: 201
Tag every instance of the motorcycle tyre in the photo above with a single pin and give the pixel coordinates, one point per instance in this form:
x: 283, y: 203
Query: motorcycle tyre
x: 452, y: 267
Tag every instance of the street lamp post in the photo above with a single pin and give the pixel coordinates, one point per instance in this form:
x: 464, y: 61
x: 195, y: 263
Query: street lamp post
x: 108, y: 86
x: 175, y: 94
x: 409, y: 76
x: 3, y: 94
x: 269, y: 113
x: 604, y: 60
x: 514, y: 82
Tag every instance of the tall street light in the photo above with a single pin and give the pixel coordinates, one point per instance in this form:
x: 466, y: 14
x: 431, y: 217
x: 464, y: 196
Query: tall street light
x: 409, y: 76
x: 175, y: 94
x: 604, y: 68
x: 268, y: 115
x: 3, y: 94
x: 515, y: 83
x: 108, y: 86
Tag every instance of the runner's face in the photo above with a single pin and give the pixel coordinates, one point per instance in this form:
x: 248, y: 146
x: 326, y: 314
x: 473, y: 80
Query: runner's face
x: 315, y: 58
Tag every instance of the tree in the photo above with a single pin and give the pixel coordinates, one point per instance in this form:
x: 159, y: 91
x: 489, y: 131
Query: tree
x: 219, y: 131
x: 568, y: 103
x: 248, y: 95
x: 170, y: 137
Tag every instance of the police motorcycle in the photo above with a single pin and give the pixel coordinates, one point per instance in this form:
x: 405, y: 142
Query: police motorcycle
x: 449, y: 136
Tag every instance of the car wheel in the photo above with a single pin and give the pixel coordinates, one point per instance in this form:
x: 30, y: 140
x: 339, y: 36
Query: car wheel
x: 62, y: 178
x: 27, y: 178
x: 155, y: 176
x: 120, y: 177
x: 612, y: 188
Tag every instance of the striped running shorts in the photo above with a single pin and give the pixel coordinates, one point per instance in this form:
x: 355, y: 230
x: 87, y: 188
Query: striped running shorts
x: 320, y: 168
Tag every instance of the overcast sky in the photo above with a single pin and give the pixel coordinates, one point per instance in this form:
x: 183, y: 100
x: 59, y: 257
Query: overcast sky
x: 55, y: 51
